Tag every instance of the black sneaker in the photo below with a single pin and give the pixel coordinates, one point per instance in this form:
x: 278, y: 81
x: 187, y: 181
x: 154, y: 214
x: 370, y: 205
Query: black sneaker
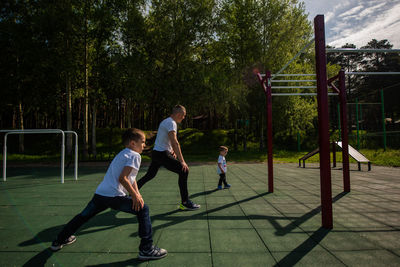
x: 189, y: 205
x: 154, y: 253
x: 57, y: 245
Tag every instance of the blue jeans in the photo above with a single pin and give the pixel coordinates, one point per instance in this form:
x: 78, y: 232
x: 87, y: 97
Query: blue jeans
x: 100, y: 203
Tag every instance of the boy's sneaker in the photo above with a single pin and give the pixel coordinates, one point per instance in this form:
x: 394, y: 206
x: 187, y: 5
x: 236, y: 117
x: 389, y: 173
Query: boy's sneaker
x: 57, y: 245
x: 189, y: 205
x: 227, y: 186
x: 154, y: 253
x: 219, y: 187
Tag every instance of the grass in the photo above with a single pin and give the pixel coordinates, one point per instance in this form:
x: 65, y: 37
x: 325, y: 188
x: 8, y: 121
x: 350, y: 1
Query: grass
x: 390, y: 157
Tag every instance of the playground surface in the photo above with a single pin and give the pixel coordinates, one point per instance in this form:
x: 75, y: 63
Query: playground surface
x: 241, y: 226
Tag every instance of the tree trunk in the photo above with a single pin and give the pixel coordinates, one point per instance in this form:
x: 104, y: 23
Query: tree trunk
x: 94, y: 151
x: 69, y: 113
x: 21, y: 126
x: 86, y: 96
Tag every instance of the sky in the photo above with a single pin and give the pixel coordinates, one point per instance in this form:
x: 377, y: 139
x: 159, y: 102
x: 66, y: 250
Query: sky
x: 357, y: 21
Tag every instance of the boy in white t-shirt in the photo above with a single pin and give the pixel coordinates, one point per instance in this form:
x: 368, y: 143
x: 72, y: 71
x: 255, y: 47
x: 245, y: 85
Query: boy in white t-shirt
x: 119, y: 191
x: 223, y: 150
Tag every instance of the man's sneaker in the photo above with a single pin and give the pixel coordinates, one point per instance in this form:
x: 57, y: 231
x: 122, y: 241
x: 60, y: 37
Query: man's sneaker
x: 227, y: 186
x: 154, y: 253
x: 219, y: 187
x: 58, y: 245
x: 189, y: 205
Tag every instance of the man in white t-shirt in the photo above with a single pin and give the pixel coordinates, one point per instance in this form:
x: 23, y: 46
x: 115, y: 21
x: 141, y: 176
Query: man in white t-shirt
x: 167, y: 152
x: 119, y: 191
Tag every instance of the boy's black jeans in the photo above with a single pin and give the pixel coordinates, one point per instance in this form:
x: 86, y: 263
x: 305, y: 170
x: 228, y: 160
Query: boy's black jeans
x: 100, y: 203
x: 222, y: 179
x: 165, y: 158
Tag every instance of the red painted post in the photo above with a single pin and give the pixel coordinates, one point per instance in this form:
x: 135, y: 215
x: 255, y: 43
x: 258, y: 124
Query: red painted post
x: 268, y: 95
x: 344, y: 133
x: 323, y: 123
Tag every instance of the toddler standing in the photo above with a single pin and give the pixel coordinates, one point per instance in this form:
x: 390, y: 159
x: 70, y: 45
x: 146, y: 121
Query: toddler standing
x: 223, y: 150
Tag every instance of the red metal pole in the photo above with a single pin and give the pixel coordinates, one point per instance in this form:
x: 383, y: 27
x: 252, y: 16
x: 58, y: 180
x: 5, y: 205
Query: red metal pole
x: 344, y: 133
x: 268, y: 95
x: 323, y: 123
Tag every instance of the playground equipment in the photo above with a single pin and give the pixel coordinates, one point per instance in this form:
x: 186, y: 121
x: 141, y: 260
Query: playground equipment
x: 360, y: 158
x: 42, y: 131
x: 323, y: 116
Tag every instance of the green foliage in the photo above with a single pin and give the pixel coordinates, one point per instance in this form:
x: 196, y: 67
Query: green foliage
x: 137, y: 59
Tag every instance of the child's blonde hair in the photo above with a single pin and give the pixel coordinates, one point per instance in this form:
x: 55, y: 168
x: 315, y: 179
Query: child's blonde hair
x: 223, y: 148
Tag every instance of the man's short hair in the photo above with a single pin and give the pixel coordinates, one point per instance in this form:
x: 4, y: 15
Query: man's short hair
x: 223, y: 148
x: 178, y: 109
x: 132, y: 134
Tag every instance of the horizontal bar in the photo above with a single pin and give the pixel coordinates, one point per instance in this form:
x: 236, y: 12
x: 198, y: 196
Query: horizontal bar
x: 298, y: 94
x: 299, y: 75
x: 294, y: 87
x: 362, y: 50
x: 291, y: 75
x: 372, y: 73
x: 27, y: 131
x: 364, y: 103
x: 292, y: 81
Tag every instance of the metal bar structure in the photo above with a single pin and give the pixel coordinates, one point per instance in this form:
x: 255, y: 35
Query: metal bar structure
x: 265, y: 81
x: 357, y: 125
x: 295, y: 87
x: 300, y: 94
x: 42, y: 131
x: 323, y: 116
x: 372, y: 73
x: 360, y: 50
x: 323, y: 123
x: 365, y: 103
x: 296, y: 56
x: 344, y: 131
x: 76, y: 153
x: 292, y: 81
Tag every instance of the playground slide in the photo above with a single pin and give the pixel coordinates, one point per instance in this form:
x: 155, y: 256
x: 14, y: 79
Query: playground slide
x: 356, y: 155
x: 352, y: 152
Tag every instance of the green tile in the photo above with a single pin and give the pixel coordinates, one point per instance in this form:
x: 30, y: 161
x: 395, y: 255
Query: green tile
x: 193, y: 240
x: 290, y: 241
x: 243, y: 259
x: 236, y: 240
x: 186, y: 259
x: 368, y: 258
x: 306, y: 258
x: 346, y: 240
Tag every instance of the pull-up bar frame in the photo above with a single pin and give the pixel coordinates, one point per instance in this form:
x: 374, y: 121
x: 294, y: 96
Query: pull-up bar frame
x: 323, y: 116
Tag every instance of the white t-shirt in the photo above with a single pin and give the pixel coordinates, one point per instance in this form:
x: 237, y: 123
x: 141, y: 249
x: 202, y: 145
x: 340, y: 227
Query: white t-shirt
x: 162, y: 140
x: 222, y: 161
x: 110, y: 186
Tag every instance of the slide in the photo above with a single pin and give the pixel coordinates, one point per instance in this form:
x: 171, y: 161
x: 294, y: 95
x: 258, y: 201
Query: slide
x: 360, y: 158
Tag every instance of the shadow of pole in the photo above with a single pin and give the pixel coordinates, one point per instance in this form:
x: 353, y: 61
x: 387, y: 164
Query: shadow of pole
x: 303, y: 249
x: 39, y: 259
x: 305, y: 217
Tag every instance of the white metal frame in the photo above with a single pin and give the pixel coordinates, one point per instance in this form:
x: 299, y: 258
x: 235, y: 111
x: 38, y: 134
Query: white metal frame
x: 39, y: 131
x: 299, y: 94
x: 361, y: 50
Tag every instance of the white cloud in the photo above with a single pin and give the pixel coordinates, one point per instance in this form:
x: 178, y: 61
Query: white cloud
x: 358, y: 21
x: 384, y: 25
x: 351, y: 12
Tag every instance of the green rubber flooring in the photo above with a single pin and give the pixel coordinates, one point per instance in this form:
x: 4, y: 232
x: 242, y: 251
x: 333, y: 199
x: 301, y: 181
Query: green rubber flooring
x: 241, y: 226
